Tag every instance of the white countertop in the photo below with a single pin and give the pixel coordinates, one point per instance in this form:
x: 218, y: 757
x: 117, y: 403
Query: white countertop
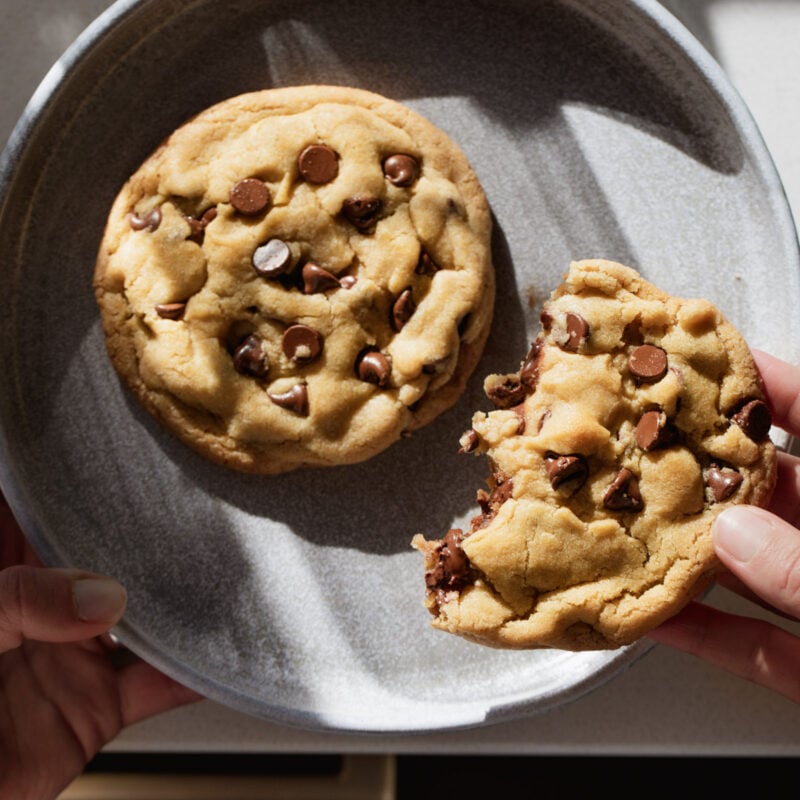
x: 667, y: 703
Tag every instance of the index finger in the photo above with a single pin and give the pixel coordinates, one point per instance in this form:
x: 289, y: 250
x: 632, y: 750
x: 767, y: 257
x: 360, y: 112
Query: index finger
x: 782, y: 385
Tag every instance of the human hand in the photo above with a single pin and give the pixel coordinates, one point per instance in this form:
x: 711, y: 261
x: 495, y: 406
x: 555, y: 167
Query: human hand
x: 762, y: 551
x: 61, y: 696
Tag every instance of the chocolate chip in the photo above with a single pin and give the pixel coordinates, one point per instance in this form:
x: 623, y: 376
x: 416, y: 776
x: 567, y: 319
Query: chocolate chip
x: 249, y: 357
x: 502, y: 490
x: 436, y: 366
x: 374, y: 367
x: 272, y: 258
x: 362, y: 212
x: 401, y: 170
x: 402, y: 309
x: 546, y: 414
x: 197, y: 225
x: 623, y: 493
x: 485, y: 517
x: 348, y: 281
x: 301, y: 344
x: 170, y: 310
x: 723, y: 482
x: 317, y: 279
x: 151, y: 220
x: 754, y: 419
x: 519, y: 410
x: 318, y: 163
x: 509, y: 393
x: 529, y: 372
x: 196, y: 229
x: 572, y: 334
x: 250, y: 196
x: 648, y: 363
x: 295, y: 399
x: 572, y: 470
x: 653, y: 430
x: 425, y: 264
x: 577, y: 332
x: 452, y: 569
x: 469, y: 441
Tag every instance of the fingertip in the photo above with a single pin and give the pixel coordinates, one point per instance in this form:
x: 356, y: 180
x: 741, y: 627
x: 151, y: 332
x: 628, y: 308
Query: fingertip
x: 763, y: 551
x: 98, y: 599
x: 765, y: 362
x: 740, y: 532
x: 56, y: 605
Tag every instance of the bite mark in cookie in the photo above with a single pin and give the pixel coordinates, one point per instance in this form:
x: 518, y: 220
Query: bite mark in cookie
x: 644, y: 418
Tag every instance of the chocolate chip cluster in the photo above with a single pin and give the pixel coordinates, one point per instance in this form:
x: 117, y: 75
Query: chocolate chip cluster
x: 647, y: 364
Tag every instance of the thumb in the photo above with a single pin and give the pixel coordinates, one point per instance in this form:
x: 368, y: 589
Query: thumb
x: 56, y: 605
x: 763, y: 551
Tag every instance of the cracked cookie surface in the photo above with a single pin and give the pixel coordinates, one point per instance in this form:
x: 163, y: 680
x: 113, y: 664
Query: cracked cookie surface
x: 298, y: 277
x: 634, y: 420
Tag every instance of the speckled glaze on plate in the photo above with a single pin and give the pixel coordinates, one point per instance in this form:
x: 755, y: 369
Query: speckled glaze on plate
x: 598, y: 129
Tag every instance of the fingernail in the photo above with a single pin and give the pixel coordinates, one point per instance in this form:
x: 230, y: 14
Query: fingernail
x: 741, y: 532
x: 98, y: 599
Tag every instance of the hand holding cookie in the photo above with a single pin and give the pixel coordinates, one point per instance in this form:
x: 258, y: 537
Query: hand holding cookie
x: 762, y: 550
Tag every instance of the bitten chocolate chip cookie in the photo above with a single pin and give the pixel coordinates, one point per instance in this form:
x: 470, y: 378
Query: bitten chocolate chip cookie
x: 635, y: 418
x: 298, y: 276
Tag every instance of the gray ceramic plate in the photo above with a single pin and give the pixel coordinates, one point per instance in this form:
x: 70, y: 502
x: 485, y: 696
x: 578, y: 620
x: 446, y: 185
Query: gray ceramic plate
x: 597, y: 128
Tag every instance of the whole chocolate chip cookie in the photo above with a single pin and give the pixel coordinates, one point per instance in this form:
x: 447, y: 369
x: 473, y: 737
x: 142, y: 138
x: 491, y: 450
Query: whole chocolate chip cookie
x: 298, y: 276
x: 635, y: 418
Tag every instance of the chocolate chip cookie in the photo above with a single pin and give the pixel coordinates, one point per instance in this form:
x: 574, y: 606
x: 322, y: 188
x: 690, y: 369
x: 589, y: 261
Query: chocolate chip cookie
x: 298, y: 276
x: 634, y: 420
